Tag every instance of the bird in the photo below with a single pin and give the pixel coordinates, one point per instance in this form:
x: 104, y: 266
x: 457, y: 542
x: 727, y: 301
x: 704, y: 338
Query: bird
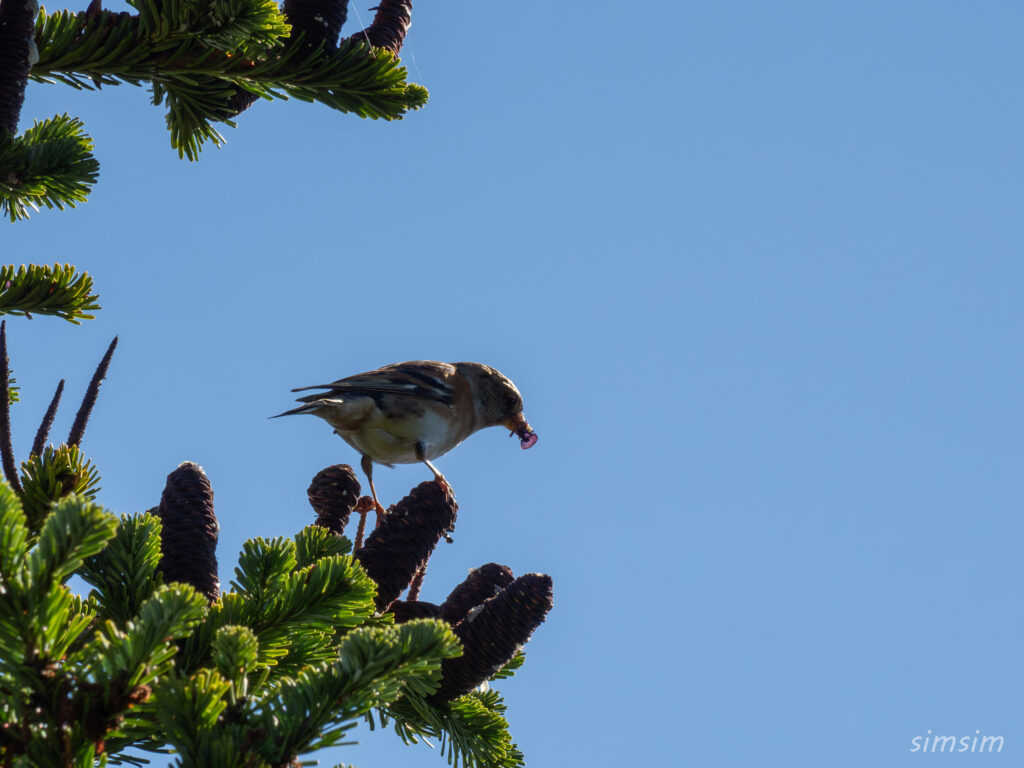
x: 416, y: 411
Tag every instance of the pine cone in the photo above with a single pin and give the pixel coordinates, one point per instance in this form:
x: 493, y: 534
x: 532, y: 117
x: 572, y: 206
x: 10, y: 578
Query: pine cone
x: 188, y: 541
x: 407, y: 610
x: 333, y: 493
x: 482, y: 583
x: 492, y: 633
x: 406, y: 536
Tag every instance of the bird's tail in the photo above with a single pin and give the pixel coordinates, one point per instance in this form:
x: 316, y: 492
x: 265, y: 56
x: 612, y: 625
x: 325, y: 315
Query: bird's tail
x: 306, y: 408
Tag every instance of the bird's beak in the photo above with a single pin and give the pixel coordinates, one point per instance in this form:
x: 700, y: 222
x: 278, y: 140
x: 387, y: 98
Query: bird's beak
x: 518, y: 425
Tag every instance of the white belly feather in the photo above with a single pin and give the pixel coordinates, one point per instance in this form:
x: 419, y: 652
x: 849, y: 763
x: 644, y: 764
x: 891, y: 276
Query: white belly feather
x: 391, y: 443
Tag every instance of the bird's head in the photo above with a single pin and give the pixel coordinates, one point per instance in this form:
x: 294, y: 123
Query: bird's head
x: 497, y: 402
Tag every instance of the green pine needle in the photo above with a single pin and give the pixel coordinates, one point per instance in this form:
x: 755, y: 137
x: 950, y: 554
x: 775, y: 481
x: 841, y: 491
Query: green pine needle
x: 198, y: 55
x: 51, y: 164
x: 46, y: 479
x: 44, y: 290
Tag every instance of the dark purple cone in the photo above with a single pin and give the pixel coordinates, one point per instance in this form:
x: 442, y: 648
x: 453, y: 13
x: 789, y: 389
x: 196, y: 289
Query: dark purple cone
x: 390, y: 25
x: 407, y: 610
x: 320, y: 20
x: 333, y: 493
x: 17, y: 22
x: 482, y: 583
x: 189, y: 538
x: 406, y: 536
x: 492, y: 633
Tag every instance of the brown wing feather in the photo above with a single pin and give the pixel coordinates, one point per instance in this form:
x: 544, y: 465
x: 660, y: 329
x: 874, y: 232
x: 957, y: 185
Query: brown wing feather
x: 426, y: 379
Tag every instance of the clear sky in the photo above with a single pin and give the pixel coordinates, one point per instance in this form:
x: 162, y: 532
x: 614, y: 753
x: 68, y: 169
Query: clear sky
x: 757, y: 270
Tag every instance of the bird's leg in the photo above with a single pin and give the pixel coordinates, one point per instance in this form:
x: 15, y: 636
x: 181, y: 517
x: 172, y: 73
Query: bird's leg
x: 367, y: 465
x: 421, y: 456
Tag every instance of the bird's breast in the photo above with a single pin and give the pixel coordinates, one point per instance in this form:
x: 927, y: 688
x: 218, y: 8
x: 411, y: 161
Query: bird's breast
x: 393, y: 441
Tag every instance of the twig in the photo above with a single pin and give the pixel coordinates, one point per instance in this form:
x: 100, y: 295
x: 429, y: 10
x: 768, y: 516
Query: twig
x: 6, y: 446
x: 78, y: 428
x: 44, y: 427
x: 363, y: 506
x: 416, y: 583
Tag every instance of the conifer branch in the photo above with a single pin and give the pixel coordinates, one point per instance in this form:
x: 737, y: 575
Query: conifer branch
x: 44, y: 428
x: 44, y: 290
x: 50, y: 476
x: 199, y: 76
x: 85, y: 410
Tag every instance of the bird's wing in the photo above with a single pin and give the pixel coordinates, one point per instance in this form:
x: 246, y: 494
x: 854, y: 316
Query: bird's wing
x: 425, y: 379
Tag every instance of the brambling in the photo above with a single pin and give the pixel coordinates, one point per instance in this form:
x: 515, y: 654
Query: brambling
x: 416, y: 411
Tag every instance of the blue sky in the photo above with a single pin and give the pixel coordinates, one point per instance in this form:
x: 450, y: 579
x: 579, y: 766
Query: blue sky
x: 756, y: 269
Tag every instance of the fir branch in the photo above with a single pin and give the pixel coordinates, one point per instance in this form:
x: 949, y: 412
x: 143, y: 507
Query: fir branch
x: 124, y: 574
x: 50, y: 165
x: 314, y: 542
x: 75, y: 530
x: 52, y: 475
x: 44, y: 427
x: 510, y: 669
x: 14, y: 535
x: 78, y: 49
x: 6, y: 445
x: 44, y: 290
x: 472, y: 729
x: 89, y: 401
x: 375, y: 665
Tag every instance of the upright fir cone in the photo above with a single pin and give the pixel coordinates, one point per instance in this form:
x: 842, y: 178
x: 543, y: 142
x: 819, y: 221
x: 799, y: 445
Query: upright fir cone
x: 188, y: 542
x: 406, y: 536
x: 333, y: 494
x: 493, y: 632
x: 407, y: 610
x: 390, y: 25
x: 17, y: 22
x: 318, y: 21
x: 482, y: 583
